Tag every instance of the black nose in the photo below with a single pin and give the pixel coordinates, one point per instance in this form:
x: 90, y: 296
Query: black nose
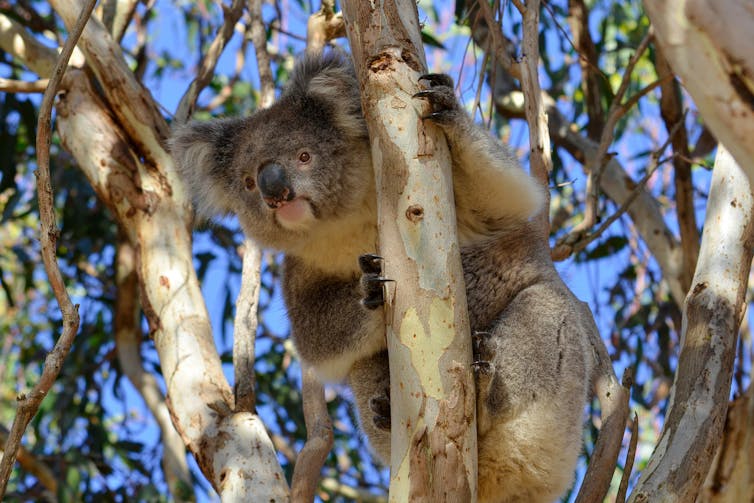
x: 274, y: 185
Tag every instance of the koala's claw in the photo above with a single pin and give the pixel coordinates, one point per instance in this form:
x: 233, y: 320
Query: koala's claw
x: 441, y: 98
x: 482, y: 368
x: 437, y: 79
x: 372, y: 281
x: 380, y: 405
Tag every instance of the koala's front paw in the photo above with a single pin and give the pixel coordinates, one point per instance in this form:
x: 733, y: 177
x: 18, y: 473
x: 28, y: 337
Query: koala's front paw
x: 372, y: 281
x: 442, y: 98
x: 380, y: 405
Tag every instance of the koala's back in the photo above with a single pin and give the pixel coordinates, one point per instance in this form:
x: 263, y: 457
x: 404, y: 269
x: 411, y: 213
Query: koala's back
x: 530, y: 400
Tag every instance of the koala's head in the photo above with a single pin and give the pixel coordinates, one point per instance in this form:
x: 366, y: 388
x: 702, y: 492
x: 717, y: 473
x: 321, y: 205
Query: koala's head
x: 285, y: 169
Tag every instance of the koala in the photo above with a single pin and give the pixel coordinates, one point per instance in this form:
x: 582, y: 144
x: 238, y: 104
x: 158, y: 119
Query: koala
x: 299, y: 176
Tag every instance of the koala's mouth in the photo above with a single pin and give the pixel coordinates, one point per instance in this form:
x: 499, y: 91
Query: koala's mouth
x: 293, y: 213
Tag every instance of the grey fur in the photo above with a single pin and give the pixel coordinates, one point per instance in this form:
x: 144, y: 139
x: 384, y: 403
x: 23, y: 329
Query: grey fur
x: 531, y: 395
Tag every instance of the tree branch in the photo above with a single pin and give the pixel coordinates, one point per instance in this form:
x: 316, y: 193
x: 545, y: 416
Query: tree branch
x: 629, y: 464
x: 711, y: 317
x: 540, y: 157
x: 245, y: 328
x: 324, y: 26
x: 127, y: 346
x: 258, y: 36
x: 702, y: 41
x: 28, y: 405
x: 21, y: 86
x: 15, y: 40
x: 209, y: 61
x: 319, y: 439
x: 671, y: 110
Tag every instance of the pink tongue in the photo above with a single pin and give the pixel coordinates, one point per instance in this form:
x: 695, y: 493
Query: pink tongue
x: 293, y: 211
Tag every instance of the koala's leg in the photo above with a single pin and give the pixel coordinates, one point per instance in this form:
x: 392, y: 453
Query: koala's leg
x: 369, y: 380
x: 531, y: 395
x: 483, y: 168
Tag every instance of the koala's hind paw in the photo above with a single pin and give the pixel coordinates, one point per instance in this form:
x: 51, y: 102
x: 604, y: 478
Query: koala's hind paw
x: 441, y: 97
x: 372, y: 281
x: 380, y: 405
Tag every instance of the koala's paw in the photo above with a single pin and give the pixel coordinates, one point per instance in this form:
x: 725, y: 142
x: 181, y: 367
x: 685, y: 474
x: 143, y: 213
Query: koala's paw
x: 380, y: 406
x: 441, y: 97
x: 372, y: 281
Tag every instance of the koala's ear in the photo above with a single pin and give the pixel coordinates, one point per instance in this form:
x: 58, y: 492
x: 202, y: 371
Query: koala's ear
x: 203, y: 154
x: 330, y: 78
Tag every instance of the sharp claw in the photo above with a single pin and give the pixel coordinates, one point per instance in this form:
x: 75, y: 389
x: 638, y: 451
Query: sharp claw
x: 482, y: 367
x: 430, y: 117
x: 379, y: 279
x: 424, y: 94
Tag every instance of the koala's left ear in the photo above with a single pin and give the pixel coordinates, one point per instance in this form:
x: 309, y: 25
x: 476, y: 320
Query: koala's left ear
x: 329, y: 77
x: 203, y: 155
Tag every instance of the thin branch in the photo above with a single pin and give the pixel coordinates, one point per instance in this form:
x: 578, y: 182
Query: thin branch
x: 566, y: 249
x: 33, y: 465
x: 671, y: 110
x: 595, y: 168
x: 22, y: 86
x: 540, y: 158
x: 245, y: 328
x: 578, y: 20
x: 319, y: 439
x: 499, y: 43
x: 29, y: 404
x: 258, y: 36
x: 207, y: 68
x: 628, y: 466
x: 613, y: 398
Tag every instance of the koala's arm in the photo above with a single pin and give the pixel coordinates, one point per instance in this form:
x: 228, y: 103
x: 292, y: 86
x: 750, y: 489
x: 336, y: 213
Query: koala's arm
x: 489, y: 185
x: 330, y: 327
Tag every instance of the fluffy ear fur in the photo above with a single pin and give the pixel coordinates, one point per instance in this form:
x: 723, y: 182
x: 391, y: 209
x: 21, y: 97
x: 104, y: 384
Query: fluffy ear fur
x: 203, y: 154
x: 330, y: 79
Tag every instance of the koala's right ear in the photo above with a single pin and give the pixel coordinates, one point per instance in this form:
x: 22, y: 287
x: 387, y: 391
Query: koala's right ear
x: 203, y: 154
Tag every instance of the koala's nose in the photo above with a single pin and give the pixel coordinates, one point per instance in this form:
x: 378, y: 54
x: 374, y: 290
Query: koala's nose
x: 274, y: 185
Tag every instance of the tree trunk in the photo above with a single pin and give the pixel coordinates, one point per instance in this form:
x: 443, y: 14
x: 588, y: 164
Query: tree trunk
x: 433, y: 449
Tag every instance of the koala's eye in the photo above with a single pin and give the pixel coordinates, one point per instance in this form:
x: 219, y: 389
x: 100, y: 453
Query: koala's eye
x: 304, y: 157
x: 249, y: 183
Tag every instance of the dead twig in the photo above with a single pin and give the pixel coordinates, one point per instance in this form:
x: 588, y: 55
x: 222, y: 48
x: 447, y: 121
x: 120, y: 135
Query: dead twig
x: 29, y: 404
